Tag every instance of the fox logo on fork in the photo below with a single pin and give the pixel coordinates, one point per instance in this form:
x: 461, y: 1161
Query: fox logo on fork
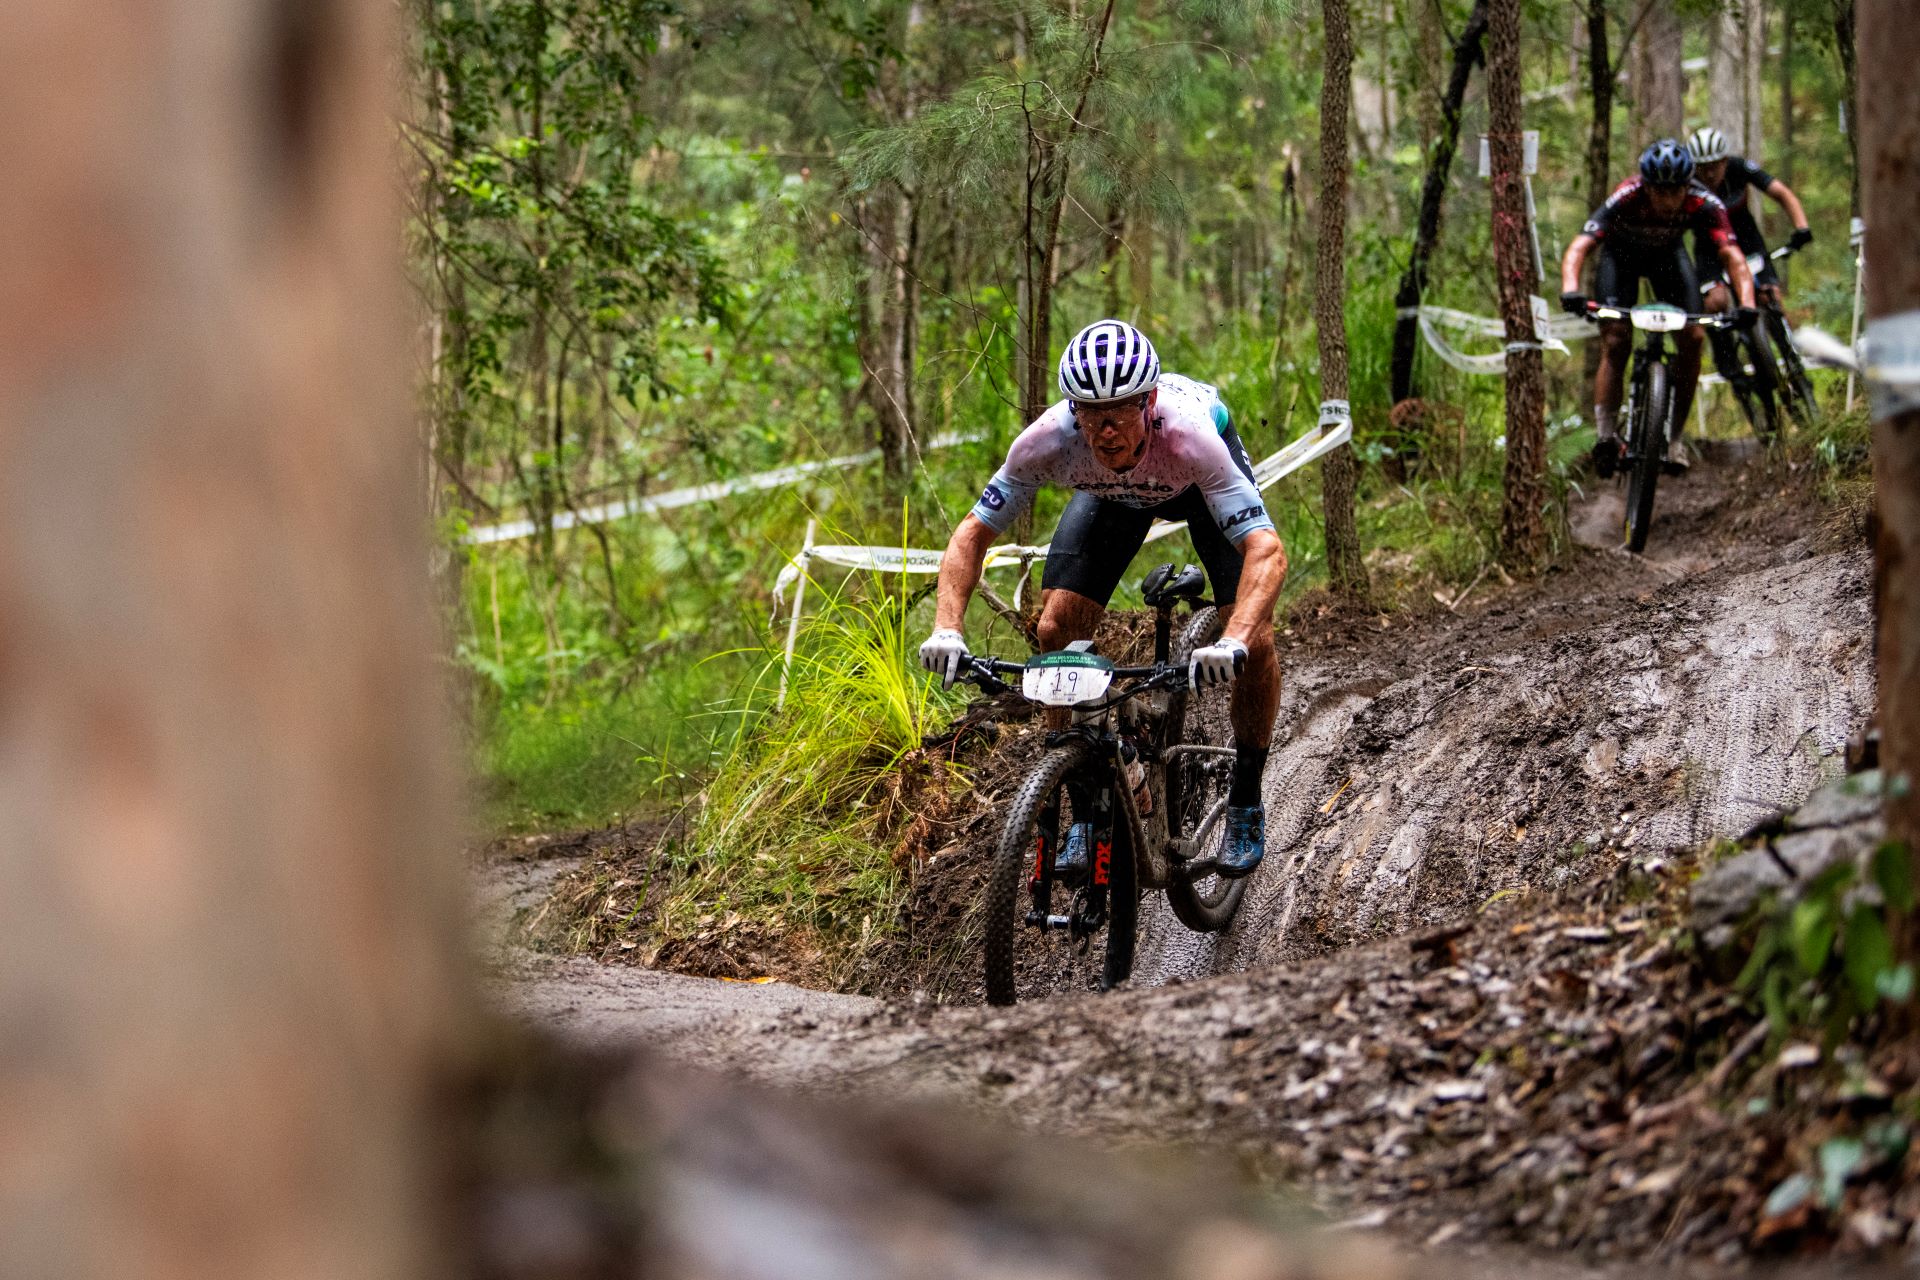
x: 1102, y: 860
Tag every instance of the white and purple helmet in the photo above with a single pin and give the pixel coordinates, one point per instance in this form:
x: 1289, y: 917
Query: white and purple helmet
x: 1108, y: 360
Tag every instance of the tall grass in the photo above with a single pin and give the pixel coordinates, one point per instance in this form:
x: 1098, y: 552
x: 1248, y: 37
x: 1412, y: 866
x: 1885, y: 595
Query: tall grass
x: 793, y: 826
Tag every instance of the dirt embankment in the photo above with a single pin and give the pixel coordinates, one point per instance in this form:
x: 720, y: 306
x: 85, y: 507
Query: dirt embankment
x: 1523, y: 777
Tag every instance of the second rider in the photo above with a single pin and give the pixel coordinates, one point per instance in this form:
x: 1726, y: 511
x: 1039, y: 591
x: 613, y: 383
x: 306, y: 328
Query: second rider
x: 1136, y: 444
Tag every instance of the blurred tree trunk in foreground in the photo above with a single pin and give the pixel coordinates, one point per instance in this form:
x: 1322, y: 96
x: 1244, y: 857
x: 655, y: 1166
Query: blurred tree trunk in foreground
x: 1346, y: 570
x: 1889, y: 143
x: 229, y: 914
x: 1523, y: 538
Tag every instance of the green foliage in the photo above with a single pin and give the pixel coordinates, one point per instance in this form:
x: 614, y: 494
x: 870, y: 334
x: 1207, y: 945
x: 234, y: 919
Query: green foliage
x: 1827, y: 958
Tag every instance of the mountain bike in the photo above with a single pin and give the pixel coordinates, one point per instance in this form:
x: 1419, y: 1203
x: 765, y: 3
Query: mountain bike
x: 1649, y: 414
x: 1774, y: 374
x: 1154, y: 798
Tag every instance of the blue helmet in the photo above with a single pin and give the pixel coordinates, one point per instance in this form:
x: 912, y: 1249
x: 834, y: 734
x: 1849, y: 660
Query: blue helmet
x: 1108, y: 360
x: 1666, y: 164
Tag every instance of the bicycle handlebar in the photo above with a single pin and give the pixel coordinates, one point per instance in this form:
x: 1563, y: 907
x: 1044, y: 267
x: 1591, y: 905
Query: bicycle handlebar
x: 1598, y: 311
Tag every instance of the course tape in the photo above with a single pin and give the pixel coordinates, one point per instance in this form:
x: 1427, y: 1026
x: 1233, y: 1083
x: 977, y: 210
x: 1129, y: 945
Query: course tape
x: 1555, y: 331
x: 1266, y: 473
x: 710, y: 492
x: 1893, y: 363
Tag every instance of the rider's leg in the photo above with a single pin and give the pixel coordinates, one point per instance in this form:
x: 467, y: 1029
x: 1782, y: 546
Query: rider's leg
x: 1253, y: 703
x: 1615, y: 284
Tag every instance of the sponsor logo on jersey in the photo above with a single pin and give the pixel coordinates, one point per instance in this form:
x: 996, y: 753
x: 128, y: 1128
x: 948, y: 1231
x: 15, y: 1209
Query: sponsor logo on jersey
x: 992, y: 499
x: 1243, y: 515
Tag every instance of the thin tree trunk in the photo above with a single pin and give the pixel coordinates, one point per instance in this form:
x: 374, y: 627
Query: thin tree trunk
x: 1600, y: 79
x: 1467, y: 51
x: 1346, y: 569
x: 1889, y: 139
x: 230, y: 906
x: 1659, y: 81
x: 1843, y: 11
x: 1523, y: 539
x: 1736, y: 48
x: 1783, y: 166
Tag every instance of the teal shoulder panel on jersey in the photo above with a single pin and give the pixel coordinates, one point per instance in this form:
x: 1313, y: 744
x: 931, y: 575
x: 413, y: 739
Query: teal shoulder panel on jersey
x: 1221, y: 420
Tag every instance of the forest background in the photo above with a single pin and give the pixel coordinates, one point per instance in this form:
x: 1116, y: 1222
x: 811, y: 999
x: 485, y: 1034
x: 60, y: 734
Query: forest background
x: 658, y: 245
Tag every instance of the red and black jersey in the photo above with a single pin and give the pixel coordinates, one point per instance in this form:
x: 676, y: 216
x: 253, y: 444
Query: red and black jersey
x: 1628, y: 221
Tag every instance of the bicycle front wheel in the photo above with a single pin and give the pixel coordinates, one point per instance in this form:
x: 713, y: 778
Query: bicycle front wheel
x: 1797, y: 388
x: 1649, y: 432
x: 1035, y: 824
x: 1197, y: 790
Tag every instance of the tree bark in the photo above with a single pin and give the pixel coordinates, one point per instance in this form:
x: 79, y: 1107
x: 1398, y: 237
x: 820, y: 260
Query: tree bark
x: 1736, y: 49
x: 1346, y: 570
x: 1843, y: 22
x: 1889, y: 139
x: 1600, y: 81
x: 1523, y: 540
x: 1467, y: 50
x: 1659, y: 82
x: 230, y: 906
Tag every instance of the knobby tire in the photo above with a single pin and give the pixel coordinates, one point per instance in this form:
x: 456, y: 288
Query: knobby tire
x: 1209, y: 904
x: 1765, y: 388
x: 1650, y: 428
x: 1007, y: 881
x: 1796, y: 388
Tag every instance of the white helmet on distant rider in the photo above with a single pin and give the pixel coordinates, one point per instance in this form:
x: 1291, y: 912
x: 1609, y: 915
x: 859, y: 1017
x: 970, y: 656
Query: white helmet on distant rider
x: 1108, y: 360
x: 1707, y: 145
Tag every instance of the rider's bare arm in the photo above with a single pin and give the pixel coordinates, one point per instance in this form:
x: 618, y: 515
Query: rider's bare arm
x: 960, y: 570
x: 1263, y: 569
x: 1782, y: 195
x: 1735, y: 263
x: 1574, y: 259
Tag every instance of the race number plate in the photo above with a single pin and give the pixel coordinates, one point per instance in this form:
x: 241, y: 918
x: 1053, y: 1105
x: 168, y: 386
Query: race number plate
x: 1066, y: 679
x: 1658, y: 317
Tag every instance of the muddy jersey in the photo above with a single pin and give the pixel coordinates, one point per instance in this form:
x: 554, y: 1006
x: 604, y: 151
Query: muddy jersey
x: 1185, y: 449
x: 1628, y: 222
x: 1742, y: 174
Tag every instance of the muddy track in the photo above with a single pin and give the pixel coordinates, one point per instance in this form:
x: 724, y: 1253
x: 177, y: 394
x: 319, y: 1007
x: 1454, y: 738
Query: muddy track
x: 1520, y: 753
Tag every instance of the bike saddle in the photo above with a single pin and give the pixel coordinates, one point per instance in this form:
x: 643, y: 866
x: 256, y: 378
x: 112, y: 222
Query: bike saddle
x: 1189, y: 584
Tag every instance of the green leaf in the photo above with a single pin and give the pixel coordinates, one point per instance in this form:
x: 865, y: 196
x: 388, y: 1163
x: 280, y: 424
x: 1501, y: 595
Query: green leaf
x: 1893, y: 872
x: 1789, y: 1195
x: 1811, y: 928
x: 1895, y: 984
x: 1868, y: 954
x: 1840, y: 1159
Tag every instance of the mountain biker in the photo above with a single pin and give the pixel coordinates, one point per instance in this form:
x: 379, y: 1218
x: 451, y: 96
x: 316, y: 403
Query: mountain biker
x: 1640, y: 232
x: 1135, y: 444
x: 1729, y: 176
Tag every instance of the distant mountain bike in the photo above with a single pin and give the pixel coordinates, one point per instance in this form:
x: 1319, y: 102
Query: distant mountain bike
x: 1775, y: 375
x: 1153, y: 797
x: 1649, y: 414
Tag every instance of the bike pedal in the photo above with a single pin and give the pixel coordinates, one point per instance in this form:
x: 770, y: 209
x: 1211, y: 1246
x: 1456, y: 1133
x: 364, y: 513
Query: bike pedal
x: 1199, y: 868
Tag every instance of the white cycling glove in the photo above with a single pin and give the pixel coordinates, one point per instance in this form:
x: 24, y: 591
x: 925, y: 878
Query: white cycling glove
x: 942, y: 652
x: 1216, y: 663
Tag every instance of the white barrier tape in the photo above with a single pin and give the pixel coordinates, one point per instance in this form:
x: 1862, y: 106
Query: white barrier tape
x: 710, y: 492
x: 1892, y: 364
x: 1266, y: 473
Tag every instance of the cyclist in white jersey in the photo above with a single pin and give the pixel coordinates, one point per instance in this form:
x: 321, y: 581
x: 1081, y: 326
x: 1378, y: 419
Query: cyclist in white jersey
x: 1136, y: 445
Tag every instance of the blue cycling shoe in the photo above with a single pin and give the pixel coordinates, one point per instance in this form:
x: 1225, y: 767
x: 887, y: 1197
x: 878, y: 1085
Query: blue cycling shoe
x: 1246, y: 841
x: 1071, y: 862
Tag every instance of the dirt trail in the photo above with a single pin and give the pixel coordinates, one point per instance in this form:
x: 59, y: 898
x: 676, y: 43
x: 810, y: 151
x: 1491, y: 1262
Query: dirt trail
x: 1526, y: 750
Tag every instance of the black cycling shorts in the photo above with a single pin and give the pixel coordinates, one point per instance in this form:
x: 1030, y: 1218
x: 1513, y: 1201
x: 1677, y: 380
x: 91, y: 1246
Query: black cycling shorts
x: 1096, y: 539
x: 1669, y: 272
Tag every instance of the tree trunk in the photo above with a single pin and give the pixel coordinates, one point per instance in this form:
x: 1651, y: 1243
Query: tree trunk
x: 1783, y: 166
x: 1736, y: 49
x: 1346, y: 570
x: 1600, y: 78
x: 1889, y: 139
x: 230, y: 906
x: 1523, y: 540
x: 1659, y: 82
x: 1850, y: 90
x: 885, y: 339
x: 1433, y: 191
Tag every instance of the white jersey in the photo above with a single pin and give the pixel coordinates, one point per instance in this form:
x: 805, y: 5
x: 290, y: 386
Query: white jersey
x: 1187, y: 447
